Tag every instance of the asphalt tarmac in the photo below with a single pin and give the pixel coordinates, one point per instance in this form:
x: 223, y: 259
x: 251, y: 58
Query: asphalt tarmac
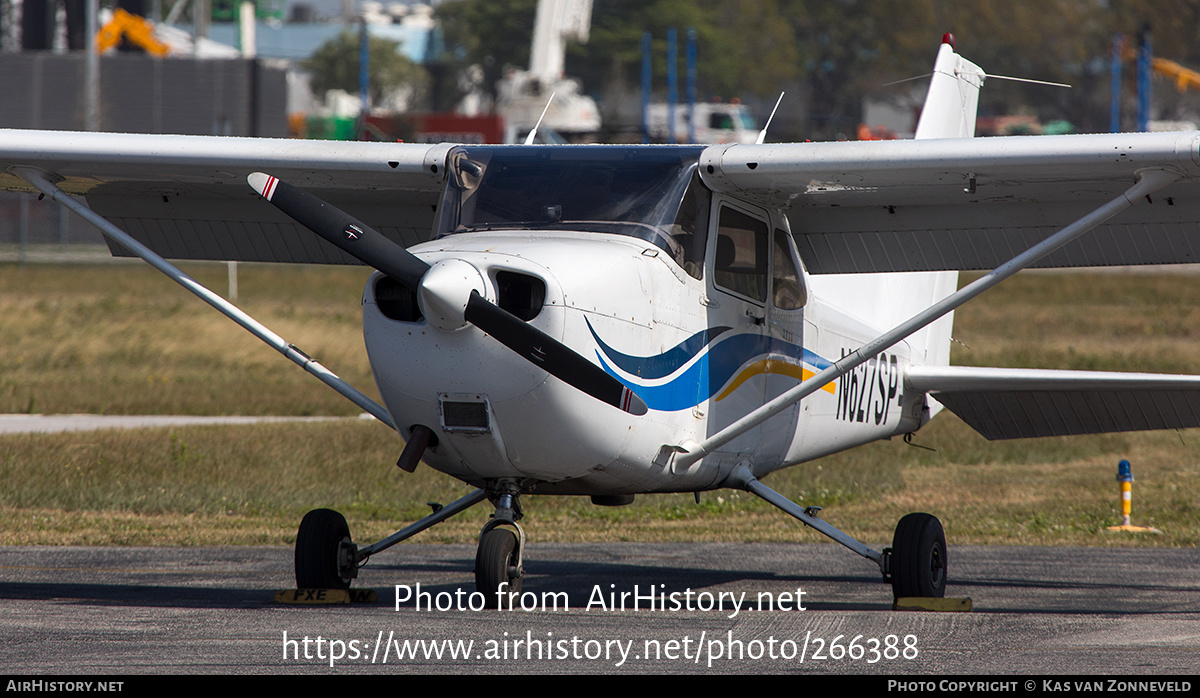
x: 1045, y: 611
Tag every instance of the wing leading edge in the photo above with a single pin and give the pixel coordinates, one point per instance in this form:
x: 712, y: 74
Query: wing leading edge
x: 1002, y: 403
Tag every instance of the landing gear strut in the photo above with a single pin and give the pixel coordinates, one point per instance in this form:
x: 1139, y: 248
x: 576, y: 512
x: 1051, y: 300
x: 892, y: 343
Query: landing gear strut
x: 327, y: 558
x: 916, y: 562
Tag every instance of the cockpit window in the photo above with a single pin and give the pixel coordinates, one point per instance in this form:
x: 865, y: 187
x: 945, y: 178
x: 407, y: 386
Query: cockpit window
x: 740, y: 262
x: 635, y: 191
x: 787, y: 283
x: 690, y: 228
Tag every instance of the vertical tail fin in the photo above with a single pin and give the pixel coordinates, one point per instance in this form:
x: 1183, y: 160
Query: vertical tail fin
x: 953, y: 96
x: 885, y: 300
x: 949, y: 112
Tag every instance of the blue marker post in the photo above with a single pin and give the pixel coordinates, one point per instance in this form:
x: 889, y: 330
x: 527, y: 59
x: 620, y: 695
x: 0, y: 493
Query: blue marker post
x: 672, y: 85
x: 364, y: 79
x: 691, y: 84
x: 1114, y: 111
x: 1125, y: 477
x: 646, y: 77
x: 1144, y: 56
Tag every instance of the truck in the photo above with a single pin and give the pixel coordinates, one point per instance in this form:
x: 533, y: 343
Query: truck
x: 716, y: 122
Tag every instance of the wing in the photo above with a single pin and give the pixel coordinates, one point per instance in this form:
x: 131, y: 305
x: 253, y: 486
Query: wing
x: 970, y: 203
x: 953, y: 204
x: 1003, y: 403
x: 186, y: 197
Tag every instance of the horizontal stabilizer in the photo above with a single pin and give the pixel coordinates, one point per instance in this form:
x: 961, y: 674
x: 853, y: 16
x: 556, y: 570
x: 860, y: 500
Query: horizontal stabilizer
x: 1014, y: 403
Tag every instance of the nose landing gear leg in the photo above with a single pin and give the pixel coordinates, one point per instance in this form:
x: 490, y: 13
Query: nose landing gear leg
x: 499, y: 570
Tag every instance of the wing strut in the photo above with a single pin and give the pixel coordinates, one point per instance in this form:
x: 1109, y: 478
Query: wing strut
x: 743, y: 478
x: 1149, y: 181
x: 44, y: 183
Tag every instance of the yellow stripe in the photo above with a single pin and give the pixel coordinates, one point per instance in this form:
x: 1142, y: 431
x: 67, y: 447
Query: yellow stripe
x: 773, y: 366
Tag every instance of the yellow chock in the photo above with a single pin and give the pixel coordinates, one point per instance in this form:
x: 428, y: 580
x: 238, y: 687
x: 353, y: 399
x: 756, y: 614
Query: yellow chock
x: 1125, y: 477
x: 325, y: 597
x: 920, y: 603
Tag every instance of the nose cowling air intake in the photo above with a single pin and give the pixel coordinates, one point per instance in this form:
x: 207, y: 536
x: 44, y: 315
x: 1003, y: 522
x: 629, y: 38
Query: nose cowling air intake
x: 451, y: 293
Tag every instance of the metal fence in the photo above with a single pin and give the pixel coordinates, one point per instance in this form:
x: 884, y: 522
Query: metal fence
x: 37, y: 231
x: 143, y: 94
x: 138, y: 94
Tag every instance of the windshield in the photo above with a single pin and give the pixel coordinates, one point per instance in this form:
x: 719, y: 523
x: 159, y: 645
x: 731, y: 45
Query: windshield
x: 627, y: 190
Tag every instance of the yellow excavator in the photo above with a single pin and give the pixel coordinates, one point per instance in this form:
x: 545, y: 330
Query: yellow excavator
x: 1182, y: 77
x: 129, y: 26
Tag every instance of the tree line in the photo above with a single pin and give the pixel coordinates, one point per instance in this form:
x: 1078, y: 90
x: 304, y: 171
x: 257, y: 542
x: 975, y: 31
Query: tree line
x: 828, y: 54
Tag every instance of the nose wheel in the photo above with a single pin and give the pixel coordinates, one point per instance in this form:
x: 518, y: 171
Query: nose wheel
x: 499, y: 572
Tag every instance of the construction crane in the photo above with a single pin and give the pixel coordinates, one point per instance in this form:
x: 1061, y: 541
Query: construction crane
x: 524, y: 95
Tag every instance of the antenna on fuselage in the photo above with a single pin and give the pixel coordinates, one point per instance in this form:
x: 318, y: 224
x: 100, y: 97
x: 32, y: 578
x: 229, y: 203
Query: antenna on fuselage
x: 762, y: 135
x: 533, y: 132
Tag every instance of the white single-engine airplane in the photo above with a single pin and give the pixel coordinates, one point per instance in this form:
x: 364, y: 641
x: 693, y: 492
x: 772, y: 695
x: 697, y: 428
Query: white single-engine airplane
x: 615, y: 320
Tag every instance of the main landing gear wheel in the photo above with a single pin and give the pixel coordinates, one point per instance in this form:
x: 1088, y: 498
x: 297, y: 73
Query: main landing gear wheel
x: 321, y: 547
x: 919, y: 557
x: 495, y: 563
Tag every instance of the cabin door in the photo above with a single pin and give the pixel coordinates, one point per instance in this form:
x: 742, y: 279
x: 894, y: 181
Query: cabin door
x: 738, y: 273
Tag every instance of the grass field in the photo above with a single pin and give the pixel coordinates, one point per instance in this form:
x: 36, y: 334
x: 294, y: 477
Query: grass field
x: 124, y: 340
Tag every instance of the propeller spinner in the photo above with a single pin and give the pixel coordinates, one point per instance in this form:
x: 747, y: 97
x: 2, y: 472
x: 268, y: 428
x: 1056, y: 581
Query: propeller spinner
x: 450, y: 292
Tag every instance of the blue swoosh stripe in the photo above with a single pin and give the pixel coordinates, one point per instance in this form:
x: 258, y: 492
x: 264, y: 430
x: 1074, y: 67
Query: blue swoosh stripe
x: 660, y: 365
x: 707, y: 375
x: 819, y: 362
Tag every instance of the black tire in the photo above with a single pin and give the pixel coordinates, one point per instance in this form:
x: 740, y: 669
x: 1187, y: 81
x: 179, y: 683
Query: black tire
x: 493, y: 560
x: 317, y: 542
x: 919, y: 558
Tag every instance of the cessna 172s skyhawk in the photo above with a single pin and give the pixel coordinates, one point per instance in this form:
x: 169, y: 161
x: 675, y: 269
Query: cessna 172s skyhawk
x: 615, y: 320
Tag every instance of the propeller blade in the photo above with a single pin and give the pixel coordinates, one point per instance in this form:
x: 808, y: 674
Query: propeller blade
x: 552, y: 356
x: 370, y: 247
x: 354, y: 237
